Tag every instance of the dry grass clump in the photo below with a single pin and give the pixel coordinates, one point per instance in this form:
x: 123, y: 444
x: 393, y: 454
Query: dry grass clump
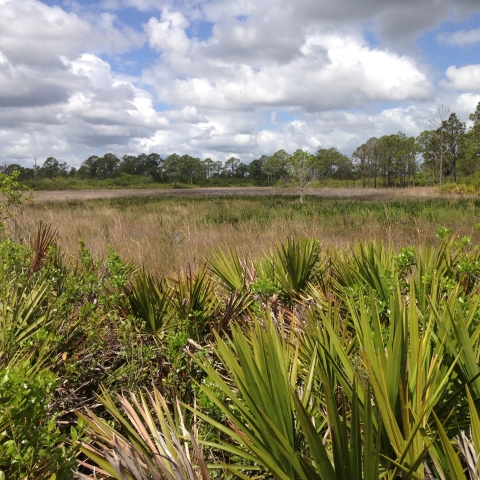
x: 164, y: 233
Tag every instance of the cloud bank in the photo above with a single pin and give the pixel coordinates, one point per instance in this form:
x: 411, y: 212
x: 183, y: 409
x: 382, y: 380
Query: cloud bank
x: 221, y: 78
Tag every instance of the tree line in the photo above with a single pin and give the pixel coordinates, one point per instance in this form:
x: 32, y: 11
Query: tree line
x: 445, y: 152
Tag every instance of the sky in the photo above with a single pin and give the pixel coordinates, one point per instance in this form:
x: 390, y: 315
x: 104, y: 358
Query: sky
x: 222, y: 78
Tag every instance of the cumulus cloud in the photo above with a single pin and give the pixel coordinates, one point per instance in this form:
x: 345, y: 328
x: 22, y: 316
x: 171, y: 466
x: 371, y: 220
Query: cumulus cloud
x: 186, y: 115
x: 57, y: 100
x: 327, y: 71
x: 466, y: 79
x: 35, y: 34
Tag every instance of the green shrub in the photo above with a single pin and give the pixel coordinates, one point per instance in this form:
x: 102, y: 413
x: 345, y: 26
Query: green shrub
x: 31, y: 445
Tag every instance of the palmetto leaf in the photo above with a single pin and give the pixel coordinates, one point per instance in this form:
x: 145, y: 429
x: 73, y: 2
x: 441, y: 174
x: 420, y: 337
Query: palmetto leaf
x: 23, y: 314
x: 150, y: 301
x: 294, y: 262
x: 193, y: 292
x: 273, y: 425
x: 151, y: 445
x: 367, y: 264
x: 226, y: 265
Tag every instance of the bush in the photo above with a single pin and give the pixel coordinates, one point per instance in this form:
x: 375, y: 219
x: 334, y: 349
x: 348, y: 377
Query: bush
x: 31, y: 444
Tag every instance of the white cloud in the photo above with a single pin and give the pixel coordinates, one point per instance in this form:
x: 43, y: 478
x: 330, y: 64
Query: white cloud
x: 328, y: 71
x: 186, y: 115
x: 459, y: 38
x: 99, y: 111
x: 61, y: 93
x: 35, y: 34
x: 465, y: 79
x: 168, y: 35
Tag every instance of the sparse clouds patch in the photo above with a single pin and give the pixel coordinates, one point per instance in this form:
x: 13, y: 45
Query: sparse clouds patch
x: 460, y: 38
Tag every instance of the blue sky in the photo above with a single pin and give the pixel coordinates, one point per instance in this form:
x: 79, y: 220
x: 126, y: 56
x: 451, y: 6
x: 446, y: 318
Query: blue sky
x: 228, y: 77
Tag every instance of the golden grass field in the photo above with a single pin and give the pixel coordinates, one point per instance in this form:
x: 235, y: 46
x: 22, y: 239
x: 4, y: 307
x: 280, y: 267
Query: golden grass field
x: 166, y: 230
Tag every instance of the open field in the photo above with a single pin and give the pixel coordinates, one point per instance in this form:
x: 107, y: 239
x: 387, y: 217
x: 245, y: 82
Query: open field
x: 168, y: 231
x: 361, y: 193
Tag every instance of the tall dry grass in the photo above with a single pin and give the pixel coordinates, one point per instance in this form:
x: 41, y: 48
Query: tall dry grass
x: 168, y: 232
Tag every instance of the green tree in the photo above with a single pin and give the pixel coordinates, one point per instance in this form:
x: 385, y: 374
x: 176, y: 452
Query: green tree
x: 50, y: 168
x: 89, y: 168
x: 108, y: 166
x: 256, y: 171
x: 208, y: 165
x: 454, y: 132
x: 301, y: 170
x: 275, y: 165
x: 330, y: 163
x: 470, y: 155
x: 427, y: 144
x: 439, y: 122
x: 231, y: 165
x: 190, y: 168
x: 24, y: 173
x: 128, y: 165
x: 360, y: 157
x: 218, y: 168
x: 153, y: 165
x: 172, y: 167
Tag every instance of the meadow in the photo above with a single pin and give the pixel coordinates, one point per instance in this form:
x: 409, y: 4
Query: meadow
x: 165, y: 233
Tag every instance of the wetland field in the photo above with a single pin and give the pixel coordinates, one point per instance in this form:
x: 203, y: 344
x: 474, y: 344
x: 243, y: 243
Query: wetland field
x: 166, y: 231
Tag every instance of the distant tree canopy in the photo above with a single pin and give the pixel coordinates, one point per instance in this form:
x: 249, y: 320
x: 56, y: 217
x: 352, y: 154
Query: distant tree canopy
x: 445, y: 152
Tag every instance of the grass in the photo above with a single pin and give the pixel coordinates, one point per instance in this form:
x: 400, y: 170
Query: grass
x: 168, y: 232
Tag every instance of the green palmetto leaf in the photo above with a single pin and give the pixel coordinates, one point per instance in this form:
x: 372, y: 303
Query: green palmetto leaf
x: 475, y: 424
x: 273, y: 425
x: 151, y: 302
x: 453, y: 464
x: 408, y: 374
x: 193, y: 292
x: 461, y: 340
x: 263, y: 412
x: 367, y: 264
x: 226, y: 265
x: 469, y: 442
x: 294, y: 262
x: 22, y: 315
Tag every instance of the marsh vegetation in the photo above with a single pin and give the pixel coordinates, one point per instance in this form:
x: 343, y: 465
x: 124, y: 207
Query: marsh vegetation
x: 167, y: 233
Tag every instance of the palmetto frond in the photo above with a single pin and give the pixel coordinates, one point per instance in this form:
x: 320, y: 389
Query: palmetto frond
x: 150, y: 445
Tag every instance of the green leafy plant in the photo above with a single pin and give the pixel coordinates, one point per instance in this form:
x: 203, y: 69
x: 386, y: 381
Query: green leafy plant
x: 151, y: 302
x: 31, y: 445
x: 13, y: 194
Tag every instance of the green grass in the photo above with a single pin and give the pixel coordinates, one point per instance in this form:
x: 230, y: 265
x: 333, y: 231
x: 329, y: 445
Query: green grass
x: 265, y: 210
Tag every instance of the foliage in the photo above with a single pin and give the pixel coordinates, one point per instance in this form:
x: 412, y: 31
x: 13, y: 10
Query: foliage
x: 13, y: 194
x: 304, y: 362
x: 150, y: 301
x: 31, y: 444
x: 151, y: 444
